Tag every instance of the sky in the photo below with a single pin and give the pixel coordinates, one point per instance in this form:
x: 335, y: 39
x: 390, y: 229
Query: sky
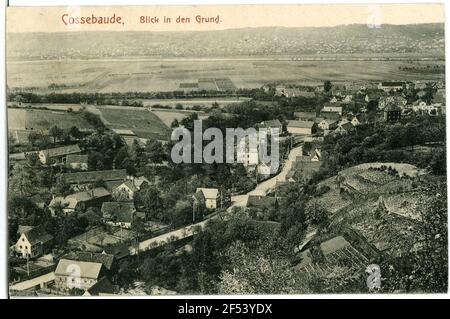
x: 50, y: 19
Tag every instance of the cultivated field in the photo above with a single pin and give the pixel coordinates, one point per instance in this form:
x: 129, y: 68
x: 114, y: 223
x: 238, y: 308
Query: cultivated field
x: 143, y: 122
x: 168, y: 116
x: 119, y: 75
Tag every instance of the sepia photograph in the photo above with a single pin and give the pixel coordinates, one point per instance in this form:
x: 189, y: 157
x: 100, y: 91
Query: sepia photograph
x: 295, y: 149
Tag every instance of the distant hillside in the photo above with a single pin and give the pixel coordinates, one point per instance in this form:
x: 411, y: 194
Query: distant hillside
x: 348, y: 39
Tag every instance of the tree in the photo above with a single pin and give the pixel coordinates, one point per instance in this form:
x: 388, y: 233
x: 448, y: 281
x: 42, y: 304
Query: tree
x: 251, y: 272
x: 22, y: 180
x: 327, y: 86
x: 56, y: 133
x: 155, y: 151
x: 75, y: 133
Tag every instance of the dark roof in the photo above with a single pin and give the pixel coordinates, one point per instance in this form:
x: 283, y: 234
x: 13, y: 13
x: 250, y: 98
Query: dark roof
x: 118, y: 251
x: 102, y: 286
x: 36, y: 234
x: 347, y: 126
x: 92, y: 176
x: 63, y: 150
x: 106, y: 260
x: 119, y: 211
x: 199, y: 196
x: 392, y: 83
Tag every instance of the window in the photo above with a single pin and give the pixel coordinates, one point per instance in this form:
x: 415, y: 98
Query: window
x: 20, y: 246
x: 23, y: 239
x: 26, y: 247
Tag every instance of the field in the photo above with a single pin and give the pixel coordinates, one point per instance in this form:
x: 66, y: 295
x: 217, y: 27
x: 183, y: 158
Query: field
x: 168, y: 116
x: 143, y: 122
x: 122, y: 75
x: 21, y: 122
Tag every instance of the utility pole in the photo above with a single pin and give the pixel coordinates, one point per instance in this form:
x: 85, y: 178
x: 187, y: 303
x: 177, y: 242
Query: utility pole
x: 193, y: 212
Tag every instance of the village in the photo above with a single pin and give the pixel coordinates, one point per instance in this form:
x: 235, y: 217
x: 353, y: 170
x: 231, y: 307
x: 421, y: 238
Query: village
x: 120, y: 205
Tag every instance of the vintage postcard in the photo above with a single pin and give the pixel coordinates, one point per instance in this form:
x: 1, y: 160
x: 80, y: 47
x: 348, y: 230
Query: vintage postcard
x: 234, y: 149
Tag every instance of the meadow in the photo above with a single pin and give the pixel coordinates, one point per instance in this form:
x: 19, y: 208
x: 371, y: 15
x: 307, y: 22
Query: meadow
x: 124, y: 75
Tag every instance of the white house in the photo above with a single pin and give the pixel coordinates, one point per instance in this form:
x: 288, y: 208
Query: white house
x: 327, y: 124
x: 77, y: 162
x: 131, y: 186
x: 210, y: 196
x: 58, y: 153
x: 33, y: 241
x: 70, y: 274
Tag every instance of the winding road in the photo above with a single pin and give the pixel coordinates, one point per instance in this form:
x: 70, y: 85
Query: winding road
x: 262, y: 188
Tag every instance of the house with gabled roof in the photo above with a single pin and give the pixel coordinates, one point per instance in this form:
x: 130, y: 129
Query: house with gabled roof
x: 91, y: 177
x: 305, y: 116
x: 79, y: 201
x: 58, y: 154
x: 33, y: 241
x: 103, y: 287
x: 206, y: 197
x: 132, y: 185
x: 301, y: 127
x: 74, y: 274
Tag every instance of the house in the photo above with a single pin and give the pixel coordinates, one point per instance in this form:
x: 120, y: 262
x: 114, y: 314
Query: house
x: 73, y: 274
x: 58, y: 154
x: 77, y: 162
x: 332, y: 107
x: 272, y: 126
x: 344, y: 128
x: 33, y: 241
x: 80, y: 201
x: 301, y: 127
x: 207, y: 197
x: 392, y: 113
x: 305, y: 116
x: 131, y: 186
x: 391, y: 86
x: 357, y: 120
x: 91, y: 177
x: 107, y: 260
x: 103, y: 287
x: 121, y: 214
x: 327, y: 124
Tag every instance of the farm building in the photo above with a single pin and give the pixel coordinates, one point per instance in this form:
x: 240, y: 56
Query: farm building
x: 79, y: 201
x: 33, y: 241
x: 71, y: 274
x: 391, y: 86
x: 332, y: 107
x: 327, y: 124
x: 58, y: 154
x: 301, y: 127
x: 131, y: 186
x: 90, y: 177
x: 305, y: 116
